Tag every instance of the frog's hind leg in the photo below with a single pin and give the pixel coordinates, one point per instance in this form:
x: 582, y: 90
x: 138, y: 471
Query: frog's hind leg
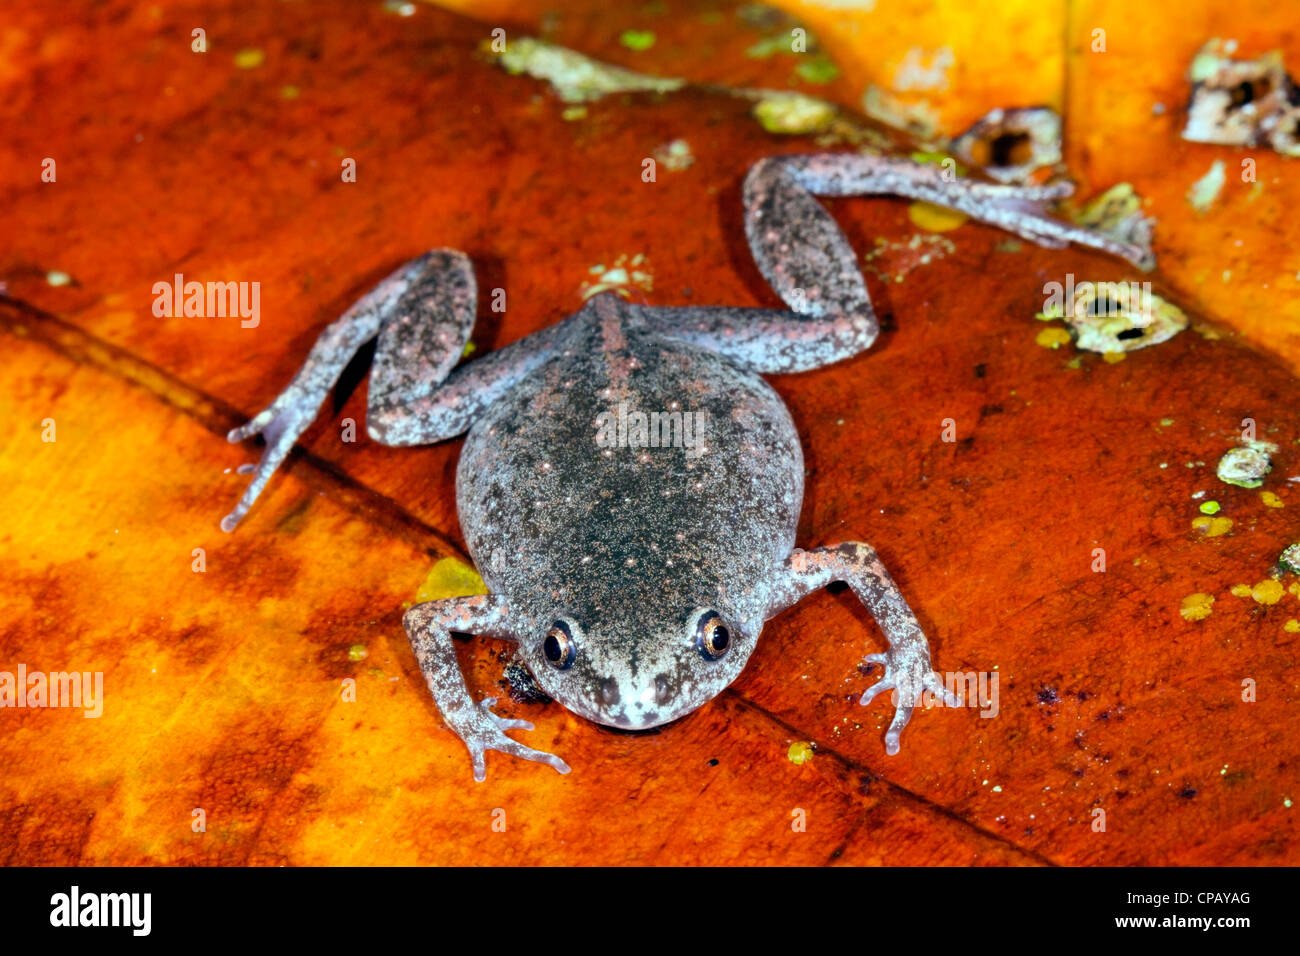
x: 809, y: 263
x: 423, y: 314
x: 428, y: 627
x: 907, y: 661
x: 1018, y: 209
x: 424, y: 309
x: 807, y: 260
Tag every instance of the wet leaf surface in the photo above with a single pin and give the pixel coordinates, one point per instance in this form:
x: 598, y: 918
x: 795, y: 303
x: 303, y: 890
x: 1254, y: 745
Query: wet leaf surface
x: 224, y: 690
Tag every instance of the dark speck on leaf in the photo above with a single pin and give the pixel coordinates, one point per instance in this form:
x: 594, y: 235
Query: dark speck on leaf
x: 1187, y: 793
x: 713, y: 762
x: 1047, y: 695
x: 981, y: 370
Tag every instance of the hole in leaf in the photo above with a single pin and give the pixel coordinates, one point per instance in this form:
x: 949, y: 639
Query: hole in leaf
x: 1011, y: 149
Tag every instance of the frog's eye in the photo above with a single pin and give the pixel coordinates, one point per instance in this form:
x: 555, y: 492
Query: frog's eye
x: 711, y: 636
x: 558, y: 646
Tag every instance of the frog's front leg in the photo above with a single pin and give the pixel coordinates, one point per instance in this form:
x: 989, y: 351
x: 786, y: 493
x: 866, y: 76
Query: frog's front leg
x: 429, y: 627
x: 907, y: 661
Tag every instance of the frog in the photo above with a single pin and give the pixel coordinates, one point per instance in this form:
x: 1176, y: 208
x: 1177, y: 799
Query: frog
x: 633, y: 566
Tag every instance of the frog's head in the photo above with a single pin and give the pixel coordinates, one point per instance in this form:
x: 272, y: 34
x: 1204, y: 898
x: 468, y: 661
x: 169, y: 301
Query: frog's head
x: 643, y: 670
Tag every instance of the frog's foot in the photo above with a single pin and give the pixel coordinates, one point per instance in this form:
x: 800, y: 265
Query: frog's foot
x: 908, y: 674
x: 280, y: 424
x: 482, y: 730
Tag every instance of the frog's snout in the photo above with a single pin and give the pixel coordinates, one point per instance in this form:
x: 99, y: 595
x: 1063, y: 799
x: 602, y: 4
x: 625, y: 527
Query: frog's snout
x: 660, y: 693
x: 639, y: 707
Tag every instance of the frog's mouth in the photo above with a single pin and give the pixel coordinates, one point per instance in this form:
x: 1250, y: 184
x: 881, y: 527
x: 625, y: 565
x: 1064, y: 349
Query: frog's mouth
x: 628, y: 731
x: 648, y: 707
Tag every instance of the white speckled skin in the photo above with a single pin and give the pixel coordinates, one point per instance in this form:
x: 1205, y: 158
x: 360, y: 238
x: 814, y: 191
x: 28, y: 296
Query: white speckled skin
x: 634, y: 550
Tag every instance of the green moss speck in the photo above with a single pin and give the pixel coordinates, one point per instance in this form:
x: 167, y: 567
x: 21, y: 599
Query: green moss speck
x: 637, y: 39
x: 817, y: 69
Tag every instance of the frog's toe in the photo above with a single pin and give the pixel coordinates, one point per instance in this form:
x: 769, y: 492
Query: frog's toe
x: 934, y: 682
x: 870, y: 694
x: 250, y: 427
x: 887, y: 682
x: 514, y: 748
x: 492, y: 736
x: 498, y: 741
x: 909, y: 679
x: 894, y: 735
x: 503, y: 723
x: 281, y: 430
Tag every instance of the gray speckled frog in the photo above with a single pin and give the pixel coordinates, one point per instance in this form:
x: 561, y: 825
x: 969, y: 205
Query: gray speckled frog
x: 629, y: 486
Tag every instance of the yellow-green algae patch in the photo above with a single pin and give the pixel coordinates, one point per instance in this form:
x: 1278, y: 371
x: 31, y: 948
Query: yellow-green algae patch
x: 449, y: 578
x: 934, y: 218
x: 800, y: 752
x: 674, y: 156
x: 793, y: 114
x: 1052, y: 338
x: 1267, y: 591
x: 1196, y: 607
x: 1212, y: 527
x: 249, y: 58
x: 817, y: 68
x: 637, y: 40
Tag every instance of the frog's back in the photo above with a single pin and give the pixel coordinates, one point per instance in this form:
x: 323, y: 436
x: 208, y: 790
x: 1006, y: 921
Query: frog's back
x: 641, y: 463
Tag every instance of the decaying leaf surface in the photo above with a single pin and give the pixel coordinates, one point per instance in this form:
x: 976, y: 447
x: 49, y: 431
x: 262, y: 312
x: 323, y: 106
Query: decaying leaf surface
x: 1119, y: 73
x: 225, y: 689
x: 1235, y: 259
